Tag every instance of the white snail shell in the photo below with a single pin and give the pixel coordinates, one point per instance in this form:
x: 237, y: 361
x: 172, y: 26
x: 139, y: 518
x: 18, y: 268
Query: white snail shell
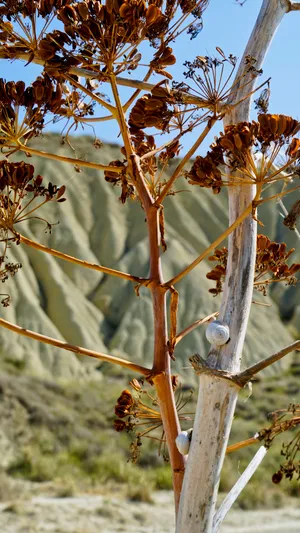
x: 217, y: 333
x: 183, y: 441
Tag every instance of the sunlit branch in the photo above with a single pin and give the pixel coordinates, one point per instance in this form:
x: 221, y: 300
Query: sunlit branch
x: 64, y: 159
x: 184, y: 161
x: 214, y: 245
x: 193, y: 326
x: 76, y: 261
x: 247, y: 375
x: 134, y: 96
x: 237, y: 488
x: 73, y: 348
x: 89, y: 93
x: 125, y: 82
x: 294, y: 6
x: 278, y: 195
x: 242, y: 444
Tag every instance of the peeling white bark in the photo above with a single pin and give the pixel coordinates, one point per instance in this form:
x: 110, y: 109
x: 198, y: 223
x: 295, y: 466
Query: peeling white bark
x: 238, y: 488
x: 217, y: 397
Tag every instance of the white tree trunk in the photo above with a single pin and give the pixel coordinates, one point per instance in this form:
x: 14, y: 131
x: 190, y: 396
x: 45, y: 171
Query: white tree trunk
x: 217, y: 396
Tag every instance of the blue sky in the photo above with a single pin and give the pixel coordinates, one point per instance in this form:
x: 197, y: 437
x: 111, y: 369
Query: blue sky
x: 227, y: 25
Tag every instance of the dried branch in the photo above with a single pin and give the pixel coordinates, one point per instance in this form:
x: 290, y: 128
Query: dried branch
x: 73, y: 348
x: 76, y: 261
x: 89, y: 93
x: 64, y: 159
x: 238, y: 487
x: 193, y: 326
x: 173, y: 320
x: 240, y: 445
x: 184, y: 161
x: 125, y: 82
x: 208, y: 250
x: 294, y: 6
x: 248, y: 374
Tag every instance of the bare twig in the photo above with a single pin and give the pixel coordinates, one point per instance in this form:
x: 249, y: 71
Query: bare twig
x: 64, y: 159
x: 80, y: 262
x: 248, y: 374
x: 238, y: 487
x: 208, y: 250
x: 240, y: 445
x: 184, y: 161
x: 193, y: 326
x: 294, y: 6
x: 125, y: 82
x: 73, y: 348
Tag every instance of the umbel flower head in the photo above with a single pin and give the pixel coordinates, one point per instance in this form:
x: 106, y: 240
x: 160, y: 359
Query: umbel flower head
x: 18, y: 189
x: 235, y: 149
x: 95, y: 33
x: 270, y: 267
x: 285, y: 420
x: 139, y: 409
x: 21, y: 195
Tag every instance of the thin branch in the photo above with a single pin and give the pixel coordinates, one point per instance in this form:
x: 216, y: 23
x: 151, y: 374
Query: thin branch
x: 80, y: 262
x: 208, y: 250
x: 64, y: 159
x: 240, y: 445
x: 89, y: 93
x: 238, y: 487
x: 294, y: 6
x: 73, y: 348
x: 125, y: 82
x: 248, y: 374
x: 193, y: 326
x: 184, y: 161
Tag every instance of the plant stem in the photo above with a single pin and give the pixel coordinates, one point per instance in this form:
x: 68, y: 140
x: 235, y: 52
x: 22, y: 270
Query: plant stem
x: 238, y: 487
x: 247, y: 374
x: 208, y: 250
x: 193, y: 326
x: 240, y: 445
x: 73, y: 348
x: 184, y: 161
x: 64, y: 159
x: 217, y: 397
x: 76, y: 261
x: 161, y: 371
x: 125, y: 82
x: 161, y: 363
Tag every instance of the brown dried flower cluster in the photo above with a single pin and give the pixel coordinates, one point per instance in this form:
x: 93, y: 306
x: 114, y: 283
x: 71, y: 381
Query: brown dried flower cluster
x: 237, y: 141
x: 149, y: 112
x: 270, y: 267
x: 18, y: 190
x: 121, y: 179
x: 136, y: 409
x: 269, y: 135
x: 95, y: 32
x: 7, y: 270
x: 205, y: 171
x: 276, y: 127
x: 285, y: 420
x: 39, y: 98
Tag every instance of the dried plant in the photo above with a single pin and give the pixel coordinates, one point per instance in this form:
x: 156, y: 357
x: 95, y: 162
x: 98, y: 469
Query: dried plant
x: 140, y: 409
x: 87, y: 51
x: 270, y: 267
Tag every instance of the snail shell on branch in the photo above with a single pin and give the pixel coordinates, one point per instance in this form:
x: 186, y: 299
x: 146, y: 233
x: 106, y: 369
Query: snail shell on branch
x: 217, y: 333
x: 183, y: 441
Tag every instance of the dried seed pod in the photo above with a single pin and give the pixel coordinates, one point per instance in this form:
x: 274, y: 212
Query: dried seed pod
x: 152, y: 14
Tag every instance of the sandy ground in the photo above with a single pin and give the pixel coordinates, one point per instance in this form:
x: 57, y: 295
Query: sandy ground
x: 100, y: 514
